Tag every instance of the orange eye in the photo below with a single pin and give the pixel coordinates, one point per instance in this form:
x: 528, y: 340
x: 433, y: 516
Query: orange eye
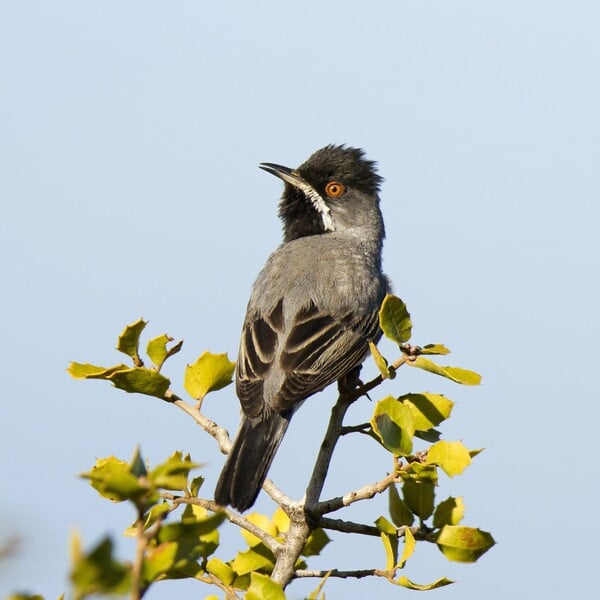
x: 334, y: 189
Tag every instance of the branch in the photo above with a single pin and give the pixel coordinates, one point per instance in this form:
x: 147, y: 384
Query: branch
x: 137, y: 590
x: 363, y: 493
x: 269, y: 541
x: 422, y: 533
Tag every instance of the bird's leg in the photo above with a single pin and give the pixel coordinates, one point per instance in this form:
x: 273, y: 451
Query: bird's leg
x: 349, y: 382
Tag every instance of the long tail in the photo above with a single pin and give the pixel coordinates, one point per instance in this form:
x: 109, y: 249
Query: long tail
x: 249, y: 459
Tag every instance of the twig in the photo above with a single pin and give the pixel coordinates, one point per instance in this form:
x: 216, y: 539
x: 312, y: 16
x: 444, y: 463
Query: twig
x: 364, y: 389
x: 361, y: 428
x: 349, y: 527
x: 358, y: 574
x: 137, y: 590
x: 269, y: 541
x: 363, y: 493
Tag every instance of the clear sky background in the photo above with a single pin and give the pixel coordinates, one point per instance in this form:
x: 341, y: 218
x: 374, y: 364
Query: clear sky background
x: 130, y: 134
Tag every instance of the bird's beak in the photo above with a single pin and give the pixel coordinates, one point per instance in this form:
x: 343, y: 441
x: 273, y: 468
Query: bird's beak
x: 290, y: 176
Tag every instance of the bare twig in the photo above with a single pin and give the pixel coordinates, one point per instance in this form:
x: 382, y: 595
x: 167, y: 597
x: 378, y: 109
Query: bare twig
x: 137, y: 590
x: 349, y: 527
x: 363, y: 493
x: 358, y: 574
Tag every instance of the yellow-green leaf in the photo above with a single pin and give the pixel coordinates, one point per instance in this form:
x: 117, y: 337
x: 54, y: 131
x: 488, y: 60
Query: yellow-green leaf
x: 393, y: 423
x: 452, y: 457
x: 419, y: 497
x: 209, y: 373
x: 463, y: 376
x: 314, y: 595
x: 154, y: 514
x: 281, y: 521
x: 112, y: 478
x: 389, y: 537
x: 159, y: 560
x: 250, y: 561
x: 263, y: 588
x: 221, y: 570
x: 464, y: 544
x: 157, y: 349
x: 173, y: 473
x: 262, y: 522
x: 411, y: 585
x: 381, y: 362
x: 394, y: 320
x: 435, y: 349
x: 400, y: 513
x: 428, y: 410
x: 129, y: 340
x: 88, y: 371
x: 449, y: 512
x: 141, y: 381
x: 409, y: 547
x: 316, y: 541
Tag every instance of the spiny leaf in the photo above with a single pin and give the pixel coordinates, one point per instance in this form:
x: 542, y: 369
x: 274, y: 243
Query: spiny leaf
x: 159, y: 560
x: 464, y: 544
x: 157, y: 349
x: 154, y: 514
x: 173, y: 473
x: 209, y: 373
x: 456, y: 374
x: 221, y: 570
x: 112, y: 478
x: 428, y: 410
x: 88, y: 371
x: 250, y: 561
x: 381, y: 362
x: 409, y: 547
x: 129, y: 340
x: 452, y: 457
x: 394, y: 320
x: 419, y: 497
x: 435, y: 349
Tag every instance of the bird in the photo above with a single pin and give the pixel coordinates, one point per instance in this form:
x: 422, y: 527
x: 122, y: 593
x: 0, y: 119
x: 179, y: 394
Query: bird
x: 313, y: 308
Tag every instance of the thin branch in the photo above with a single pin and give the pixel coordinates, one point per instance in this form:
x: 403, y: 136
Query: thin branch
x: 363, y: 493
x: 361, y: 428
x: 137, y: 590
x: 349, y: 527
x: 358, y: 574
x: 269, y: 541
x: 364, y: 389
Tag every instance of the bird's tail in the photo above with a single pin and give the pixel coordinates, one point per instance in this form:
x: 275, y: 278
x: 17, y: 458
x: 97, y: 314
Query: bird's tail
x: 249, y: 459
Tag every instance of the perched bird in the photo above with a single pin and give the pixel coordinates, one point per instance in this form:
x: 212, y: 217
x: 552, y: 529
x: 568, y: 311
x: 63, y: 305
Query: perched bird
x: 313, y: 308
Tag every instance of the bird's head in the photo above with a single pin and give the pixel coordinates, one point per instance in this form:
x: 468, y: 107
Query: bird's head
x: 336, y: 189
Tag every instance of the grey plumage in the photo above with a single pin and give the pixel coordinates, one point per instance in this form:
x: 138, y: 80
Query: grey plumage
x: 313, y: 308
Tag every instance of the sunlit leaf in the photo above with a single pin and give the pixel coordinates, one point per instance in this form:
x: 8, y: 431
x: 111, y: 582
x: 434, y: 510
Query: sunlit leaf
x: 141, y: 381
x: 314, y: 595
x: 88, y: 371
x: 154, y: 514
x: 452, y: 457
x: 195, y: 485
x: 380, y: 362
x: 316, y: 541
x: 399, y: 512
x: 173, y: 473
x: 428, y: 410
x: 393, y: 423
x: 250, y: 561
x: 262, y: 522
x: 449, y: 512
x: 394, y: 320
x: 157, y: 349
x: 219, y: 569
x: 419, y: 472
x: 281, y: 521
x: 411, y: 585
x: 463, y: 544
x: 159, y: 560
x: 209, y: 373
x: 463, y: 376
x: 409, y: 547
x: 435, y: 349
x: 113, y: 479
x: 129, y: 340
x: 263, y: 588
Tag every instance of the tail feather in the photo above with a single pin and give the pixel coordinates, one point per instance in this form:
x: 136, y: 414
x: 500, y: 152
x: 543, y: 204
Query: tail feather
x: 249, y: 459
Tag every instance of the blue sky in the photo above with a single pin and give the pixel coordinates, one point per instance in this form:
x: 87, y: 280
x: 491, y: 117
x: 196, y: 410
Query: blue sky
x: 131, y: 134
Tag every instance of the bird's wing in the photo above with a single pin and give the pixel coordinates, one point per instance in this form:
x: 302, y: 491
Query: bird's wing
x: 308, y: 355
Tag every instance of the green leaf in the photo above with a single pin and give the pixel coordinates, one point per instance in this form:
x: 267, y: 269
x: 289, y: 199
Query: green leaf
x: 209, y: 373
x: 263, y: 588
x: 314, y: 595
x: 419, y: 497
x: 394, y: 320
x: 157, y: 349
x: 389, y: 537
x: 435, y: 349
x: 221, y: 570
x: 428, y: 410
x: 252, y: 560
x: 195, y: 523
x: 393, y: 423
x: 196, y: 485
x: 99, y: 573
x: 88, y: 371
x: 141, y: 381
x: 381, y: 362
x: 456, y: 374
x: 409, y: 547
x: 112, y: 478
x: 449, y: 512
x: 159, y: 560
x: 173, y: 473
x: 464, y: 544
x: 316, y: 541
x: 416, y: 471
x: 452, y: 457
x: 411, y: 585
x: 136, y: 464
x: 129, y: 340
x: 399, y: 512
